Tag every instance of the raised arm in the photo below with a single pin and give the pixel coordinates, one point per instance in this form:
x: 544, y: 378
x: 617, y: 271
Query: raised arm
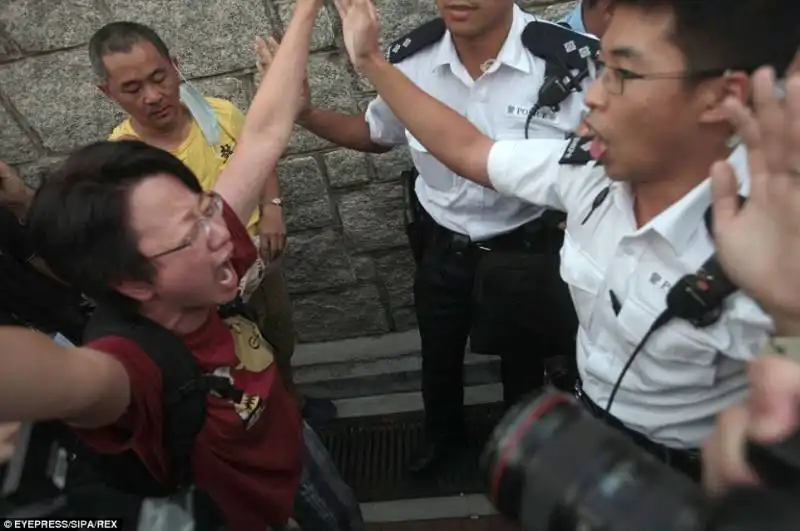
x: 346, y: 130
x: 268, y: 125
x: 448, y: 136
x: 538, y: 171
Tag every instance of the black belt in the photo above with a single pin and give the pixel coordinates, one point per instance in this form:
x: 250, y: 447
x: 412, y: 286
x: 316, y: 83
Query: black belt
x: 534, y: 236
x: 686, y: 461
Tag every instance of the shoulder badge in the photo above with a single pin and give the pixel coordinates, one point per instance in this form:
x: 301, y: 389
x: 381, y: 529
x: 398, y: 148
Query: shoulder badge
x: 416, y: 40
x: 578, y: 151
x: 559, y: 45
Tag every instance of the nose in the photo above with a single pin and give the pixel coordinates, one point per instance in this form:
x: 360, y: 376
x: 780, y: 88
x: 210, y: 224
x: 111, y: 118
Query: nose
x: 151, y: 94
x: 596, y: 97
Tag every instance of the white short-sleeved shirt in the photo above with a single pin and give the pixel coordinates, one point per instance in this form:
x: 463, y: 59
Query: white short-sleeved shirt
x: 684, y: 376
x: 497, y: 103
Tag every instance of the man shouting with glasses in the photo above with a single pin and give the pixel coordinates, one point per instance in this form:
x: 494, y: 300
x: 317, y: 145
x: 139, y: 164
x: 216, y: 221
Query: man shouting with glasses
x: 131, y: 226
x: 134, y: 68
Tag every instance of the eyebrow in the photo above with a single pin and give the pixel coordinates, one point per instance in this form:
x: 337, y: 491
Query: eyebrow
x: 191, y: 215
x: 134, y: 82
x: 625, y: 52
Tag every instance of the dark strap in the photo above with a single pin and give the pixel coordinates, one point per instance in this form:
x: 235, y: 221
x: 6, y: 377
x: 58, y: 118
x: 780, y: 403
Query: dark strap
x: 416, y: 40
x: 563, y: 49
x: 184, y: 401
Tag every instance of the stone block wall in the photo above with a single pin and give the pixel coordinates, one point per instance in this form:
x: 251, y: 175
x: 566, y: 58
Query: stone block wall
x: 347, y: 263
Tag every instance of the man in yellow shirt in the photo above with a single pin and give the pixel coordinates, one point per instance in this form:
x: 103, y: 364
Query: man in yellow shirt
x: 135, y: 69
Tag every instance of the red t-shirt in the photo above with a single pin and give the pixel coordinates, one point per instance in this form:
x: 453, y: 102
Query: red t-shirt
x: 248, y: 456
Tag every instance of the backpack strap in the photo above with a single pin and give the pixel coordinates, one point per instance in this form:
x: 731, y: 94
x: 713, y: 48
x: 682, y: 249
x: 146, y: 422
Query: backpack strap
x: 416, y: 40
x: 184, y: 386
x: 566, y: 52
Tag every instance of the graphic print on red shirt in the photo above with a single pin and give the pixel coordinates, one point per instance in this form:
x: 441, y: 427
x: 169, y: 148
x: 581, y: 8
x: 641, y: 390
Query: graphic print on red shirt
x: 248, y: 455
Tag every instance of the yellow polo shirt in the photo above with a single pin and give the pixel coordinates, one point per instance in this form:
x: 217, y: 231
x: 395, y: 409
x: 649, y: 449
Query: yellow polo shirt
x: 205, y: 160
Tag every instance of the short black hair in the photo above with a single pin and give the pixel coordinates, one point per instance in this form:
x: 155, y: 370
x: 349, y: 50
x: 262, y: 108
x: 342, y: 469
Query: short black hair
x: 78, y: 221
x: 732, y: 34
x: 119, y: 37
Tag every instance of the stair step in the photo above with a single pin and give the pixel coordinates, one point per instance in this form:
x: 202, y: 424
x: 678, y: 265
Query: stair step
x: 388, y: 404
x: 386, y: 376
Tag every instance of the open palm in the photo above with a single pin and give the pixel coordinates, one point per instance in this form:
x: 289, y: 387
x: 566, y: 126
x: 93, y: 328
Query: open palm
x: 759, y: 244
x: 360, y: 29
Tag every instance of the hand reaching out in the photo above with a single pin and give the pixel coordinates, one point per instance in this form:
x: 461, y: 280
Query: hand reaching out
x: 265, y: 53
x: 360, y: 29
x: 759, y: 244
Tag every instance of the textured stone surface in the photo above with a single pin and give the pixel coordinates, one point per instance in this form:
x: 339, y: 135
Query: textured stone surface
x: 389, y: 165
x: 34, y: 172
x: 397, y: 272
x: 301, y: 180
x: 226, y: 87
x: 350, y: 313
x: 323, y: 35
x: 207, y: 36
x: 14, y: 144
x: 401, y: 16
x: 316, y: 261
x: 404, y: 319
x: 346, y: 167
x: 332, y: 89
x: 64, y: 123
x: 313, y: 214
x: 347, y: 260
x: 373, y: 217
x: 41, y: 25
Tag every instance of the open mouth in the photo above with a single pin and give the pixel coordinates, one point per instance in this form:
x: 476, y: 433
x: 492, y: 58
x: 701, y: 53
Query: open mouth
x: 226, y: 276
x: 598, y: 147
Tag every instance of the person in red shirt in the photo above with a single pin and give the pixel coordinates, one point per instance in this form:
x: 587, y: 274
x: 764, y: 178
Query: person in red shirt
x: 129, y: 225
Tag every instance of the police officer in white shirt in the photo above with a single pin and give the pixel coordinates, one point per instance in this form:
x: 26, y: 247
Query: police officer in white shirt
x: 473, y: 59
x: 636, y: 219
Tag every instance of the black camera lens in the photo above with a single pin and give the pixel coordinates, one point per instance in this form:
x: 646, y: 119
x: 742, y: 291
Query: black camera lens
x: 552, y: 466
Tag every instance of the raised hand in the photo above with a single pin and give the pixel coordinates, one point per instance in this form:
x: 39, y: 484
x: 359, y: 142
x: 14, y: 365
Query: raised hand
x: 265, y: 54
x: 759, y: 244
x: 360, y: 29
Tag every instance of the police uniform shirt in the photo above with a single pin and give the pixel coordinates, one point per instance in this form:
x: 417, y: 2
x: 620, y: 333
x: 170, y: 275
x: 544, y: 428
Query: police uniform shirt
x: 497, y: 103
x: 684, y: 376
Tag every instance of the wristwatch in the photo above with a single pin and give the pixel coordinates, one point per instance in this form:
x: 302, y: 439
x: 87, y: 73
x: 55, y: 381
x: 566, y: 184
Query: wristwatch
x: 277, y: 201
x: 783, y: 346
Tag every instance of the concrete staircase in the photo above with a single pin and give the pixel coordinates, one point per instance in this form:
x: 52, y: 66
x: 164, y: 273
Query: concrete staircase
x: 383, y: 374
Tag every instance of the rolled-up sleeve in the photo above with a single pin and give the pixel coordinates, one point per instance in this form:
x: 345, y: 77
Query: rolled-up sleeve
x: 384, y: 127
x: 532, y: 171
x: 527, y: 169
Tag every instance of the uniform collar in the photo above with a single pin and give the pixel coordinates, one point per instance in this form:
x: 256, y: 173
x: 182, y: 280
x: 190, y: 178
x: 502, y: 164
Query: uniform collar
x: 511, y: 54
x: 678, y: 223
x: 575, y: 19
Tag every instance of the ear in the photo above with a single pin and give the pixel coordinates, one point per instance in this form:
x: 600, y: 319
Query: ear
x: 174, y: 61
x: 734, y: 84
x: 136, y: 290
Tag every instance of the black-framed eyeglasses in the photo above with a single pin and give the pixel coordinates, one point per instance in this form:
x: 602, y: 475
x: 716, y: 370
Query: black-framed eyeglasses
x: 613, y: 79
x: 211, y: 204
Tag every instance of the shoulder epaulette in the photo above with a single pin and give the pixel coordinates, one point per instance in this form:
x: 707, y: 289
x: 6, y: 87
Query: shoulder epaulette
x: 578, y: 152
x: 416, y: 40
x: 559, y: 45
